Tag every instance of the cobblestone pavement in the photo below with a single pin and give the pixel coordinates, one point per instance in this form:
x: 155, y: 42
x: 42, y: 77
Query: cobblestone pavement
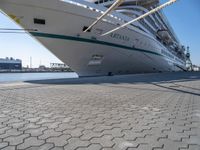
x: 135, y: 112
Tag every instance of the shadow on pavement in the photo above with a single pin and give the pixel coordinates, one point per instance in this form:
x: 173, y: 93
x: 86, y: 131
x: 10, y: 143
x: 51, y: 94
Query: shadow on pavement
x: 157, y: 79
x: 130, y: 79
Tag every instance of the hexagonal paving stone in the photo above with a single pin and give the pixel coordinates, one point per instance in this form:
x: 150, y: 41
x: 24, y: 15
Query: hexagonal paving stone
x: 31, y: 141
x: 59, y: 141
x: 16, y: 140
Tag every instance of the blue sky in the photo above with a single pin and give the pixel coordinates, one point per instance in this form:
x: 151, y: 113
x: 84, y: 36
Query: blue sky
x: 184, y: 16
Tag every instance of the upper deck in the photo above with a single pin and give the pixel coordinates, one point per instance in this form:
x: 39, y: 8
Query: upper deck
x: 152, y: 24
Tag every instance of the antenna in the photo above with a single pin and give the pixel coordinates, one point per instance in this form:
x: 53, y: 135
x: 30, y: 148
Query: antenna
x: 142, y: 16
x: 30, y: 62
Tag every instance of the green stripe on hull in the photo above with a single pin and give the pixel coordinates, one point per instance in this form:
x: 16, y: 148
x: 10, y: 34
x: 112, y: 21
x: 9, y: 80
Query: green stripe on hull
x: 64, y: 37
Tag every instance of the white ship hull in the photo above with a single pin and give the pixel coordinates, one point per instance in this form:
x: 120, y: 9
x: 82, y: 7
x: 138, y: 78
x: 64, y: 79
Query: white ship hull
x: 89, y: 54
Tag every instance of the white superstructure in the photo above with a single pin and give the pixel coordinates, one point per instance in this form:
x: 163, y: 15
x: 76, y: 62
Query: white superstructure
x: 148, y: 45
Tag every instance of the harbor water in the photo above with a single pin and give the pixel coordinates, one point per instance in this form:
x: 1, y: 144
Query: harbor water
x: 17, y: 77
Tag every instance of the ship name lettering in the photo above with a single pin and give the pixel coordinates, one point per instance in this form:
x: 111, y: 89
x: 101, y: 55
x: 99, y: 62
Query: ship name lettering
x: 119, y: 36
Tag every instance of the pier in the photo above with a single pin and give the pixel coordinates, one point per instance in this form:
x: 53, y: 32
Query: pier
x: 130, y: 112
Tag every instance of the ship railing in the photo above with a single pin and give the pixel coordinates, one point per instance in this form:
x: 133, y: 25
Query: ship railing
x: 144, y: 10
x: 116, y: 18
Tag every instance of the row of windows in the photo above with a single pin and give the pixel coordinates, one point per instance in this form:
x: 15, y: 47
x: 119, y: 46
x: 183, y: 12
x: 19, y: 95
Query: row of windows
x: 171, y: 56
x: 148, y: 18
x: 167, y: 54
x: 102, y: 1
x: 8, y: 66
x: 147, y: 27
x: 179, y: 60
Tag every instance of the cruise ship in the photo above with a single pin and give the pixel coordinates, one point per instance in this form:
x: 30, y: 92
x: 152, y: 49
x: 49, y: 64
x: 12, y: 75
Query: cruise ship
x: 144, y: 46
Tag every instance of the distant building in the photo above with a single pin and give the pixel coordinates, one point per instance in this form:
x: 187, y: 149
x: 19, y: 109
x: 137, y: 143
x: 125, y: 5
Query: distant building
x: 42, y: 67
x: 10, y: 64
x: 58, y: 66
x: 196, y: 68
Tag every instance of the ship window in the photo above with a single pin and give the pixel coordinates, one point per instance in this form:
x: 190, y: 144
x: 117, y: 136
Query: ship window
x: 39, y: 21
x: 84, y: 28
x: 110, y: 74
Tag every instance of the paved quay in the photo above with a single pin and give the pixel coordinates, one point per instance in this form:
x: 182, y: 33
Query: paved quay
x: 132, y: 112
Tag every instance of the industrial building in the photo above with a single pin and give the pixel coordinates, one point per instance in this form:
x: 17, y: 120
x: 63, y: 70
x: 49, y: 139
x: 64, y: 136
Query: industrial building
x: 10, y: 64
x: 58, y: 66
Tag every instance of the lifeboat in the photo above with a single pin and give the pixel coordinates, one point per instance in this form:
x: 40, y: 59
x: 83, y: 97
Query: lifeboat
x: 165, y: 36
